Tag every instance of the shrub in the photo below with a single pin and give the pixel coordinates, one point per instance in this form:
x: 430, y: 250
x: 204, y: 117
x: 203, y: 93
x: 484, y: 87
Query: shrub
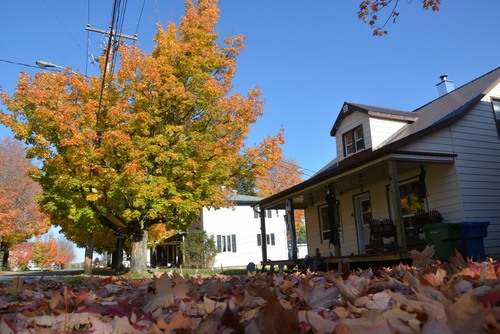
x: 199, y: 250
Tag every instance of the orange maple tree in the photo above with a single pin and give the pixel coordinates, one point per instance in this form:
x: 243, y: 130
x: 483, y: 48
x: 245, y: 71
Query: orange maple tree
x: 52, y: 252
x: 284, y: 175
x: 163, y: 137
x: 20, y: 215
x: 369, y: 11
x: 20, y: 255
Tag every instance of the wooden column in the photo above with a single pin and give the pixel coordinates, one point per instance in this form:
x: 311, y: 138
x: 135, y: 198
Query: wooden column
x: 395, y: 198
x: 291, y: 228
x: 262, y: 215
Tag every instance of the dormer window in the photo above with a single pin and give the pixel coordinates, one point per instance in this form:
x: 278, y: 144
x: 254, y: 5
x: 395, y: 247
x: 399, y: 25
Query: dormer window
x: 353, y: 141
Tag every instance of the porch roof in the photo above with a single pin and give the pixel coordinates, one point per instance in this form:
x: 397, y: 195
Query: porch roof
x: 363, y: 161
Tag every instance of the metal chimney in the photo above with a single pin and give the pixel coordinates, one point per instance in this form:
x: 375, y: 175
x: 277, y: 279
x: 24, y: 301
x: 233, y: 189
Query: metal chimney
x: 445, y: 86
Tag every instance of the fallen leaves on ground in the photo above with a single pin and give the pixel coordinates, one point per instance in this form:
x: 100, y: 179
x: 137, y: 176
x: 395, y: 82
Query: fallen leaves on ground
x: 440, y: 298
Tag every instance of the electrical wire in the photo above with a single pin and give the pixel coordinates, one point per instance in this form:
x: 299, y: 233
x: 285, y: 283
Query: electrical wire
x: 140, y: 16
x: 63, y: 25
x: 21, y: 64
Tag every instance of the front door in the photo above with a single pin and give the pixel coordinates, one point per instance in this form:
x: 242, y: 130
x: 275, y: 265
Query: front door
x: 363, y: 213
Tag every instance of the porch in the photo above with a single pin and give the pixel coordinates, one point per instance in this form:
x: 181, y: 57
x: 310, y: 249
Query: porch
x: 333, y: 262
x: 341, y: 203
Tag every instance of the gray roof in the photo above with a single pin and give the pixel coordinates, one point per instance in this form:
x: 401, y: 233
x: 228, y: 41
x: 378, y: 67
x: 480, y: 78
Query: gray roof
x: 349, y: 107
x: 447, y: 108
x: 245, y: 199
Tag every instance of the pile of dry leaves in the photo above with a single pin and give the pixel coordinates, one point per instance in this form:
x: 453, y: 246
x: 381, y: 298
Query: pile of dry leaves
x: 456, y: 297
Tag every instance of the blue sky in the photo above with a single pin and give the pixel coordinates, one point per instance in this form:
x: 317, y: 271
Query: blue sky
x: 307, y: 56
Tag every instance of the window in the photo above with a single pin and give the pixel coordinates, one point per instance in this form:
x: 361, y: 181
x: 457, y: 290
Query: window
x: 267, y: 214
x: 496, y: 114
x: 353, y: 141
x: 410, y: 202
x: 324, y: 223
x: 270, y: 239
x: 226, y: 243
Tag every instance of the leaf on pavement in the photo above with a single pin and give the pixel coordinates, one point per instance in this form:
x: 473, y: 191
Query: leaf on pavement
x: 16, y: 286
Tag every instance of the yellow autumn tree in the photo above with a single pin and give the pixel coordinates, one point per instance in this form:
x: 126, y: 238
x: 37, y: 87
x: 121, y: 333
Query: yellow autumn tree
x: 161, y: 138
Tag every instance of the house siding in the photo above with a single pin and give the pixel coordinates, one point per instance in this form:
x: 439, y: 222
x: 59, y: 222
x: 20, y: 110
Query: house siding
x: 475, y: 141
x: 382, y: 129
x: 241, y: 222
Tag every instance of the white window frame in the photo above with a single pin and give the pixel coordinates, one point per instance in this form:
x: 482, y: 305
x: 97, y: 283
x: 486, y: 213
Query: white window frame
x: 355, y: 144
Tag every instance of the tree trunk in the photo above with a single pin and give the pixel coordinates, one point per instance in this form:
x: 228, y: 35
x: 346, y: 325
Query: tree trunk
x: 89, y: 251
x: 138, y: 261
x: 5, y: 258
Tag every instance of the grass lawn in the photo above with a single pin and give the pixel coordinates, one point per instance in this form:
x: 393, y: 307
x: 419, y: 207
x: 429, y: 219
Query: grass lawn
x: 183, y: 271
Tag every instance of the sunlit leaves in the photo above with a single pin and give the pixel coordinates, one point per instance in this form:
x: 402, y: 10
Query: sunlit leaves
x: 369, y: 12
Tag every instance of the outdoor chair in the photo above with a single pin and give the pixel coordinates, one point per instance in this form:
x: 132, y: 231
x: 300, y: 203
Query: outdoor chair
x: 382, y: 235
x: 423, y: 218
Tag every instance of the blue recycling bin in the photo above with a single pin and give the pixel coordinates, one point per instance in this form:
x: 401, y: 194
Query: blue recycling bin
x: 472, y: 244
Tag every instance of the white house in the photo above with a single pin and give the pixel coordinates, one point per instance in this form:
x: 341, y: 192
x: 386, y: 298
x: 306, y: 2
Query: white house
x: 237, y: 233
x: 392, y: 165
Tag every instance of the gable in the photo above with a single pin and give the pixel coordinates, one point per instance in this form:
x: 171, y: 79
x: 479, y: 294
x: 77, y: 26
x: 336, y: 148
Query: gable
x: 382, y: 113
x: 363, y: 127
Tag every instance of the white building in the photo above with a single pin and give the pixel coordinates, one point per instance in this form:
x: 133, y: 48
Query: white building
x: 237, y: 233
x: 238, y: 236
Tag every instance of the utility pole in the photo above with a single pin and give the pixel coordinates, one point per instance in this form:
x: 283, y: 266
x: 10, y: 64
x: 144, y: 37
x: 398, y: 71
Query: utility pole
x: 110, y: 33
x: 113, y: 38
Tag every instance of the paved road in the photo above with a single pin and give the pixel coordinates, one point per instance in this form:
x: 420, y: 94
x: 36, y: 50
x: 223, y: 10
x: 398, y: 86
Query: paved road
x: 33, y: 276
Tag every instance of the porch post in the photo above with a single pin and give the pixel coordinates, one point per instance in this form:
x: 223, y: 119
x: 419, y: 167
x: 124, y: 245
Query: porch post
x: 263, y: 239
x: 395, y: 198
x: 291, y: 228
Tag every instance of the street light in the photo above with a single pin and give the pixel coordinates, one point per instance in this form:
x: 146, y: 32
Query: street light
x: 49, y: 65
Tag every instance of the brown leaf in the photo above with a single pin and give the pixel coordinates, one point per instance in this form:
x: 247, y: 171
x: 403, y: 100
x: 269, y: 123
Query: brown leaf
x: 16, y: 286
x: 467, y: 314
x: 289, y: 321
x: 178, y: 321
x: 422, y: 260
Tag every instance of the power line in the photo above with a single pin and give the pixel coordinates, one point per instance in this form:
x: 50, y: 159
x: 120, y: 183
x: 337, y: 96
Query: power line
x: 63, y: 25
x: 140, y: 17
x: 21, y: 64
x: 295, y: 165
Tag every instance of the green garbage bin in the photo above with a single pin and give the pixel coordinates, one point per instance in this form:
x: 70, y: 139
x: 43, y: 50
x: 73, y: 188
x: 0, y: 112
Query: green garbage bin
x: 446, y: 237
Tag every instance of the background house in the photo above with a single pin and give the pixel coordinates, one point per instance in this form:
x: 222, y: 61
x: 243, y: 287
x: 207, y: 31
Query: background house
x: 236, y: 231
x: 392, y: 165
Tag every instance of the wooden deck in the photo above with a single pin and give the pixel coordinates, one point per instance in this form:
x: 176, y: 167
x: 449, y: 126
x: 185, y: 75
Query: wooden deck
x: 329, y: 263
